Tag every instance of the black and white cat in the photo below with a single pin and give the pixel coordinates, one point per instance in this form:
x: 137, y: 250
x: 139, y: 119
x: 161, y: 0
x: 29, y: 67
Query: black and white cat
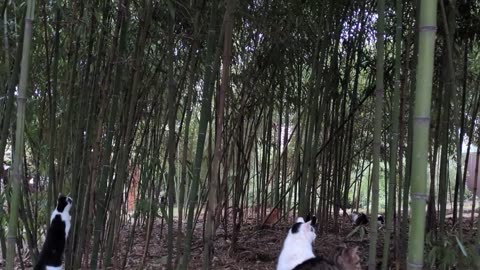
x: 297, y: 247
x: 359, y: 219
x: 362, y: 219
x: 54, y: 246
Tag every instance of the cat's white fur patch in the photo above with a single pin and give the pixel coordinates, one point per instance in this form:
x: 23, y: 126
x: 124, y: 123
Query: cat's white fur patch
x: 55, y: 267
x: 65, y: 215
x: 297, y: 247
x: 354, y: 217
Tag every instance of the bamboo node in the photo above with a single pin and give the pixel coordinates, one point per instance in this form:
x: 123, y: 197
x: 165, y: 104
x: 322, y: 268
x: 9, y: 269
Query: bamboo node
x: 422, y: 119
x: 427, y: 28
x: 415, y: 265
x: 419, y: 196
x: 379, y: 92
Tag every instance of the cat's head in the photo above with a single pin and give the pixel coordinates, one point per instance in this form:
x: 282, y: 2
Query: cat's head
x: 380, y: 219
x: 304, y: 228
x: 361, y: 219
x: 348, y: 258
x: 64, y: 203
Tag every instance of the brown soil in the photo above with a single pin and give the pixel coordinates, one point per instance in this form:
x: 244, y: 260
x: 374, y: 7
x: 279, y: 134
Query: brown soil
x: 256, y: 248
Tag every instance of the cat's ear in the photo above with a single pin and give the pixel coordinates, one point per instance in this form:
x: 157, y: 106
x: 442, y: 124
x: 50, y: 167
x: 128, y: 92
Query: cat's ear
x: 314, y: 220
x: 350, y: 254
x: 353, y: 251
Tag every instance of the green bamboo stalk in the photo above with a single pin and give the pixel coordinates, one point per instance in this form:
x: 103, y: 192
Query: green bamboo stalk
x: 122, y: 27
x: 10, y: 98
x: 6, y: 63
x: 475, y: 107
x: 214, y: 174
x: 19, y: 136
x: 423, y: 94
x: 190, y: 99
x: 394, y: 136
x: 202, y: 128
x: 377, y: 130
x: 477, y: 238
x: 172, y: 113
x: 450, y: 96
x: 408, y: 151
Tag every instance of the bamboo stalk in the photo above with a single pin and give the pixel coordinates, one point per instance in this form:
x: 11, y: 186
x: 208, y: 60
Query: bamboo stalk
x: 19, y: 136
x: 421, y: 125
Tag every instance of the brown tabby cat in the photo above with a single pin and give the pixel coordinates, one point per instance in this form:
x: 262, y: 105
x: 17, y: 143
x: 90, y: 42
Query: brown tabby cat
x: 345, y: 259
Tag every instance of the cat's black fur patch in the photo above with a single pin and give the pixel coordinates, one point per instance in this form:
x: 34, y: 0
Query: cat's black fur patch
x: 313, y: 219
x: 296, y: 227
x: 314, y: 263
x: 62, y: 202
x: 307, y: 218
x: 361, y: 220
x: 54, y: 245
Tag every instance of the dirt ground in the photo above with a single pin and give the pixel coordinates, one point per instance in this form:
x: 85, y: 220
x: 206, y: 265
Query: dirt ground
x: 256, y: 248
x: 259, y: 248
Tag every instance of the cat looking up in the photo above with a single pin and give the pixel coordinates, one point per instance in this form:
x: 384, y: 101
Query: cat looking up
x: 54, y: 246
x: 297, y: 247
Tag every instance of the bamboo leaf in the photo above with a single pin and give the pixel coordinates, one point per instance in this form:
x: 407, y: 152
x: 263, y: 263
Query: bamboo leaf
x: 461, y: 246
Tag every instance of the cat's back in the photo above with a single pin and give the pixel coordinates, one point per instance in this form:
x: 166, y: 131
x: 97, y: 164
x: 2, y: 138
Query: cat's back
x: 317, y: 263
x: 57, y: 229
x: 52, y: 251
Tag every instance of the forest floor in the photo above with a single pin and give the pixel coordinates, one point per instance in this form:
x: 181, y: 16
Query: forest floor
x: 256, y: 248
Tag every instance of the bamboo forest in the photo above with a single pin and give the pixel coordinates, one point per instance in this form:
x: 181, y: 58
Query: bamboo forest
x: 195, y: 134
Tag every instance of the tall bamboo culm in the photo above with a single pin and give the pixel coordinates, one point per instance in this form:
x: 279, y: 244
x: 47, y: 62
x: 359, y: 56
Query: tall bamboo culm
x: 394, y: 136
x: 19, y: 136
x: 379, y: 93
x: 421, y: 124
x: 205, y: 115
